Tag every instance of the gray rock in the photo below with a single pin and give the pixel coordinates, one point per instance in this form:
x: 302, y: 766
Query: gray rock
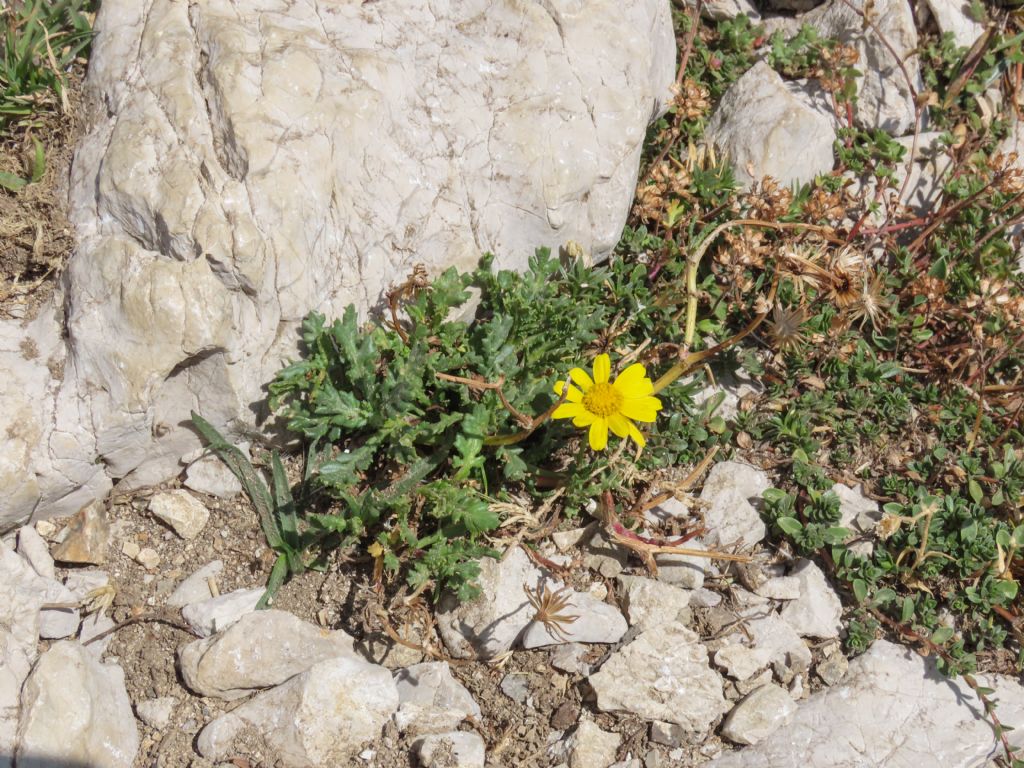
x: 36, y: 552
x: 569, y: 658
x: 742, y: 662
x: 833, y: 669
x: 260, y: 650
x: 771, y: 127
x: 84, y: 583
x: 720, y: 10
x: 730, y: 492
x: 682, y: 571
x: 649, y: 602
x: 20, y: 600
x: 705, y: 598
x: 156, y: 713
x: 858, y: 513
x: 454, y: 119
x: 596, y: 622
x: 663, y: 674
x: 667, y: 734
x: 182, y: 511
x: 317, y: 719
x: 516, y: 685
x: 195, y: 588
x: 461, y: 749
x: 788, y: 654
x: 431, y: 700
x: 218, y: 613
x: 93, y: 625
x: 895, y: 710
x: 209, y: 475
x: 780, y: 588
x: 746, y: 480
x: 75, y: 711
x: 590, y: 747
x: 573, y: 537
x: 604, y: 555
x: 817, y: 612
x: 954, y: 17
x: 759, y: 715
x: 735, y: 384
x: 884, y: 98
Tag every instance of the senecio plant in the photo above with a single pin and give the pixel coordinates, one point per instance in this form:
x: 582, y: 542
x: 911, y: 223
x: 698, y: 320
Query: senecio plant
x: 429, y: 428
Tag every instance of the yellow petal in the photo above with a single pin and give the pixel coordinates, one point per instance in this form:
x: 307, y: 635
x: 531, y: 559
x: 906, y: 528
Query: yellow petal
x: 636, y: 434
x: 567, y: 411
x: 375, y: 549
x: 641, y: 408
x: 582, y: 378
x: 585, y: 419
x: 633, y: 381
x: 599, y: 434
x: 602, y: 369
x: 619, y: 424
x: 574, y: 395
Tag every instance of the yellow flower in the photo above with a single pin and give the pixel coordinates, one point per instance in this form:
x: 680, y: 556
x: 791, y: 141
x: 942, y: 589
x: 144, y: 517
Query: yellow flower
x: 602, y: 405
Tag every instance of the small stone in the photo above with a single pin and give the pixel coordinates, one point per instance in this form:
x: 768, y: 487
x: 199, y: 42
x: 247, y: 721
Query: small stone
x: 649, y: 602
x: 817, y: 612
x: 744, y: 687
x: 76, y: 711
x: 566, y: 716
x: 46, y: 529
x: 858, y: 514
x: 156, y: 713
x: 590, y: 747
x: 572, y: 538
x: 796, y: 687
x: 148, y: 558
x: 130, y: 549
x: 705, y: 598
x: 219, y: 613
x: 788, y: 654
x: 759, y: 715
x: 196, y: 587
x: 84, y: 583
x: 741, y: 662
x: 381, y: 649
x: 431, y: 700
x: 726, y: 476
x: 663, y: 674
x: 36, y: 552
x: 181, y: 511
x: 447, y: 750
x: 595, y: 622
x: 685, y: 571
x: 833, y: 669
x: 516, y: 685
x: 208, y: 474
x: 85, y: 537
x: 93, y: 625
x: 954, y: 16
x: 604, y: 555
x: 668, y: 734
x: 257, y: 651
x: 569, y: 658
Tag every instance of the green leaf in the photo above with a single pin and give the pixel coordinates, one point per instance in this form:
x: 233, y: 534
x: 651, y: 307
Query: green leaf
x: 908, y: 610
x: 38, y: 161
x: 860, y: 590
x: 941, y: 635
x: 11, y: 182
x: 974, y: 488
x: 278, y: 574
x: 789, y: 525
x: 1017, y: 537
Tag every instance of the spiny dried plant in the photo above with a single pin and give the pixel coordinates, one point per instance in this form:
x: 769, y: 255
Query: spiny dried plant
x: 550, y: 608
x: 785, y: 327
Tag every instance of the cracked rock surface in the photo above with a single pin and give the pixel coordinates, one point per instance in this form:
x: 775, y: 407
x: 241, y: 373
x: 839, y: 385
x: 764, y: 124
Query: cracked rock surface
x: 250, y: 162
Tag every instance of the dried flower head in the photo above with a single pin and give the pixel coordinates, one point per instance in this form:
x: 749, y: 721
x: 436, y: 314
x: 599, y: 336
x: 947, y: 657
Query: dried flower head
x: 769, y: 200
x: 550, y: 608
x: 692, y: 100
x: 785, y: 327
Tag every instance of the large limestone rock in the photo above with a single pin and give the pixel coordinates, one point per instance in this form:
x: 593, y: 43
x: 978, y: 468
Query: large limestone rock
x: 894, y: 711
x: 251, y: 161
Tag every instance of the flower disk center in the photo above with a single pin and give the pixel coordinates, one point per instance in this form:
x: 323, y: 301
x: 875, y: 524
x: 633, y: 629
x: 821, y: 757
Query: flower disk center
x: 603, y: 400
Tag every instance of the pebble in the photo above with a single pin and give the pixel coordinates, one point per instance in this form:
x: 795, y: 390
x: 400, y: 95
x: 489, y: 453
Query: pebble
x: 591, y: 747
x: 667, y: 734
x: 685, y: 571
x: 196, y: 587
x: 182, y: 511
x: 219, y: 613
x: 604, y: 555
x: 758, y: 715
x: 36, y: 552
x: 85, y: 538
x: 833, y: 669
x: 457, y: 748
x: 516, y: 685
x: 431, y: 700
x: 209, y: 475
x: 569, y: 658
x: 649, y: 602
x: 130, y: 549
x: 780, y: 588
x: 817, y: 612
x: 148, y: 558
x: 156, y: 713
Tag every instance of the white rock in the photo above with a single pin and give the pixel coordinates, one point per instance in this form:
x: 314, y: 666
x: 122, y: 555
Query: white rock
x: 36, y: 552
x: 735, y: 384
x: 663, y: 674
x: 771, y: 127
x: 130, y: 549
x: 857, y: 513
x: 195, y: 588
x: 431, y: 700
x: 705, y: 598
x: 605, y: 555
x: 884, y: 98
x: 93, y: 625
x: 669, y: 734
x: 649, y: 602
x: 749, y: 481
x: 780, y: 588
x: 719, y: 10
x: 218, y: 613
x: 491, y: 623
x: 742, y: 662
x: 83, y: 583
x: 569, y: 658
x: 209, y: 475
x: 148, y: 558
x: 596, y: 622
x: 759, y: 715
x: 156, y: 713
x: 574, y: 537
x: 817, y: 612
x: 789, y: 653
x: 457, y: 748
x: 258, y: 651
x: 590, y: 747
x: 19, y: 634
x: 894, y: 710
x: 75, y: 711
x: 318, y: 719
x: 683, y: 571
x: 182, y: 511
x: 954, y: 16
x: 206, y: 232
